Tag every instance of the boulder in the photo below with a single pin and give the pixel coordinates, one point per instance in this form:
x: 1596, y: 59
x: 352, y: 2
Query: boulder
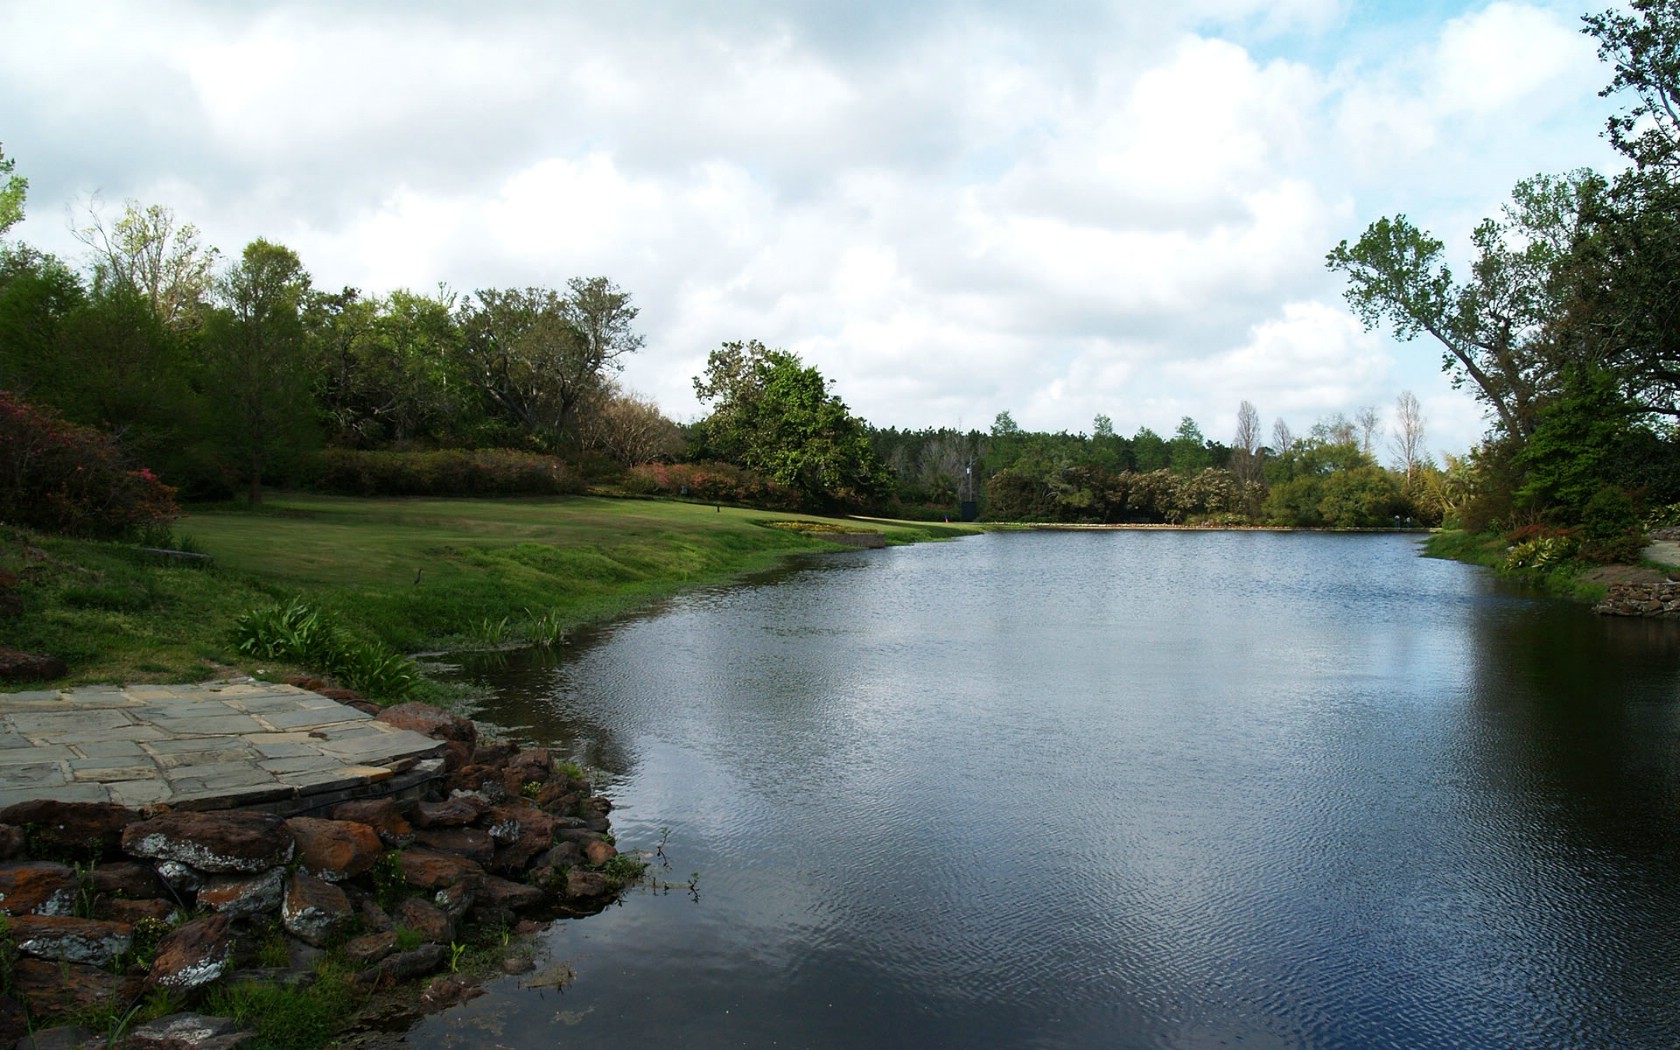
x: 456, y: 811
x: 186, y: 1031
x: 428, y: 920
x: 58, y: 989
x: 37, y: 888
x: 13, y: 843
x: 315, y: 911
x: 193, y: 955
x: 19, y: 666
x: 429, y: 721
x: 370, y: 947
x: 126, y: 878
x: 471, y: 843
x: 457, y: 898
x: 181, y: 880
x: 585, y: 885
x: 532, y: 766
x: 213, y: 842
x: 121, y: 909
x: 80, y: 829
x: 65, y: 938
x: 450, y: 989
x: 402, y: 966
x: 383, y: 815
x: 244, y: 896
x: 334, y: 850
x: 427, y: 869
x: 500, y: 898
x: 599, y: 852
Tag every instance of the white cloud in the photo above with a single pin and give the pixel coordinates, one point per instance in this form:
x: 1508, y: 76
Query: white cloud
x: 950, y: 209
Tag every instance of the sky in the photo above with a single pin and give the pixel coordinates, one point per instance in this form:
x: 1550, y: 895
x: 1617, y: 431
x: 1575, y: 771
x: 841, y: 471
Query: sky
x: 951, y: 209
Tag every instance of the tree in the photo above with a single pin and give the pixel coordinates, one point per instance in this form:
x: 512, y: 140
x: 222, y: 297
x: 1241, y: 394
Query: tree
x: 1496, y: 329
x: 537, y: 357
x: 1246, y: 449
x: 1407, y: 442
x: 1283, y: 439
x: 628, y: 428
x: 775, y: 415
x: 1643, y: 45
x: 147, y: 251
x: 256, y: 347
x: 13, y: 190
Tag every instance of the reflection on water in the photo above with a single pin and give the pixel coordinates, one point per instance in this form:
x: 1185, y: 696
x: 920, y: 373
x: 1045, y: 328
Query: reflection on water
x: 1138, y: 789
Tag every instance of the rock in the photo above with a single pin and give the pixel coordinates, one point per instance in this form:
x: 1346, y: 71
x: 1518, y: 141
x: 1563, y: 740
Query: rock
x: 18, y: 666
x: 494, y: 753
x: 599, y: 852
x: 315, y: 911
x: 58, y: 989
x: 65, y: 938
x: 582, y: 885
x: 402, y: 966
x: 427, y: 869
x: 343, y: 696
x: 457, y: 898
x: 370, y: 947
x: 244, y: 896
x: 62, y: 1037
x: 181, y: 880
x: 451, y: 989
x: 456, y: 753
x: 471, y: 843
x: 455, y: 812
x: 213, y: 842
x: 334, y: 850
x: 383, y: 815
x: 518, y: 822
x: 185, y: 1031
x: 14, y: 1023
x: 121, y: 909
x: 429, y: 721
x: 564, y: 855
x: 193, y: 955
x: 426, y: 919
x: 500, y: 898
x: 373, y: 918
x: 127, y: 878
x: 533, y: 766
x: 12, y: 845
x: 37, y: 888
x: 89, y: 830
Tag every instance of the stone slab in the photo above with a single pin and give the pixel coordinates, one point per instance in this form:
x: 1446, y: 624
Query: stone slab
x: 203, y: 746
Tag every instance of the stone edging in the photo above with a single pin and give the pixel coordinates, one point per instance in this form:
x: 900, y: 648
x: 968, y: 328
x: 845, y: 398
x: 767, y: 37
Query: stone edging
x: 87, y: 888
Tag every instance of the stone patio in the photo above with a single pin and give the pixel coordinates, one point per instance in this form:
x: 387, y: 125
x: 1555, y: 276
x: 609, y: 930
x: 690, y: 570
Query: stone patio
x: 215, y: 745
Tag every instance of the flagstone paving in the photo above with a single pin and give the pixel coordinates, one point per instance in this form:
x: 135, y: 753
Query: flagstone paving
x: 212, y: 745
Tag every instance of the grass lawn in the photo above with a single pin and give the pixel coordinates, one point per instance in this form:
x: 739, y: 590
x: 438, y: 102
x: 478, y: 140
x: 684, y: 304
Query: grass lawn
x: 484, y: 566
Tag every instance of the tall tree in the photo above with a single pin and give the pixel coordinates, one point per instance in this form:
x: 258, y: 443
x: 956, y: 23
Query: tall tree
x: 256, y: 344
x: 1407, y: 442
x: 1496, y: 328
x: 1247, y: 455
x: 160, y: 259
x: 1642, y: 44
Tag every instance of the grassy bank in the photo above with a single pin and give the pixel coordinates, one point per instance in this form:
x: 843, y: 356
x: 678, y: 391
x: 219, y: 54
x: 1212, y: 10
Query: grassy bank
x: 410, y: 574
x: 1569, y: 578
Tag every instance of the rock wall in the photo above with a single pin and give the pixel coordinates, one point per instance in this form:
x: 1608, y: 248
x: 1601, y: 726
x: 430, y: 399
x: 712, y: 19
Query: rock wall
x: 1661, y: 599
x: 103, y: 904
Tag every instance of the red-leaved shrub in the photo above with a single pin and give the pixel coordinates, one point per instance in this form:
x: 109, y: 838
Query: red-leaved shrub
x: 56, y: 476
x: 709, y: 483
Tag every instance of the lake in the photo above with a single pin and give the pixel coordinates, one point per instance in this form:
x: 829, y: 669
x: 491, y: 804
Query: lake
x: 1117, y: 789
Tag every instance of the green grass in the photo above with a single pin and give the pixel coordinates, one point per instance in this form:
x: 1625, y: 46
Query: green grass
x: 115, y: 616
x: 1490, y: 550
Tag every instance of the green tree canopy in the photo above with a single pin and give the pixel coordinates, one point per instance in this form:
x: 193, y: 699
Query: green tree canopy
x: 774, y: 414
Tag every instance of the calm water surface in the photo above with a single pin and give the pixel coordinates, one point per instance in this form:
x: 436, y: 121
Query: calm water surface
x: 1119, y: 789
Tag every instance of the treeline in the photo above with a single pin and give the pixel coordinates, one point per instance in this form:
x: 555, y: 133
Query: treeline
x: 226, y: 375
x: 1328, y: 478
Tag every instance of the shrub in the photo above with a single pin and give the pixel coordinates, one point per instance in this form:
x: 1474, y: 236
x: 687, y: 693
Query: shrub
x: 446, y: 472
x: 708, y: 483
x: 1611, y: 528
x: 298, y: 632
x: 58, y: 477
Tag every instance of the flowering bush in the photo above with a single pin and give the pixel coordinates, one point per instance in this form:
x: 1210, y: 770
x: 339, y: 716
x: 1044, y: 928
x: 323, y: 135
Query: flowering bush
x: 56, y: 476
x: 446, y: 472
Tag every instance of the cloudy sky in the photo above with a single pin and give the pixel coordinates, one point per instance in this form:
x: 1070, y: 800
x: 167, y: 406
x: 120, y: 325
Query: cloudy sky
x: 952, y: 209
